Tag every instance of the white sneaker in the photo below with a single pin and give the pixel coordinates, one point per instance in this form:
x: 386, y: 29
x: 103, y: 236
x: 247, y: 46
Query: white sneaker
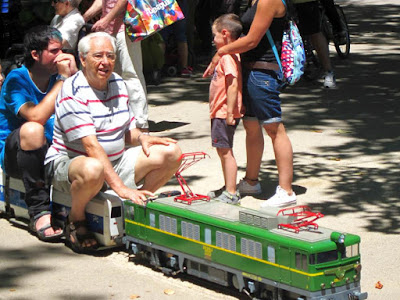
x: 245, y: 188
x: 329, y: 80
x: 281, y: 198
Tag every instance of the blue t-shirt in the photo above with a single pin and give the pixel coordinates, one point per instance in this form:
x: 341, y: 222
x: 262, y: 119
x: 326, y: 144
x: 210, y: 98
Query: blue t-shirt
x: 18, y: 89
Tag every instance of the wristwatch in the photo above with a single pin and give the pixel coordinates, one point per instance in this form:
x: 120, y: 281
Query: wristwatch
x: 60, y: 77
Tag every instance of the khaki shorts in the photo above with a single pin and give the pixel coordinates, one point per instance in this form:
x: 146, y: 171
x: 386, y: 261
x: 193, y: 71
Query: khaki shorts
x: 124, y: 167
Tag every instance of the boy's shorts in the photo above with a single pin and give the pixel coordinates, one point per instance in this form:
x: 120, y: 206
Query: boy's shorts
x: 309, y: 18
x: 124, y: 167
x: 222, y: 134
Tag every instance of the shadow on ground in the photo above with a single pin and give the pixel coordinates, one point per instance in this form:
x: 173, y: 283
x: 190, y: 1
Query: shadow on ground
x: 366, y: 106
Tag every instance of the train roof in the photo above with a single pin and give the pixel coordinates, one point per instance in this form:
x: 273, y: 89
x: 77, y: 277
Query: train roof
x: 266, y: 220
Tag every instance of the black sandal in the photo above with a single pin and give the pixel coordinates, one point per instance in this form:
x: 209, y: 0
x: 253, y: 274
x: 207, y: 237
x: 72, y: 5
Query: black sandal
x: 40, y: 233
x: 71, y: 230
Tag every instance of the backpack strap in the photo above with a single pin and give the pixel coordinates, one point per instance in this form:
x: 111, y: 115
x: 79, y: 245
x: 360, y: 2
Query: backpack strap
x: 272, y: 43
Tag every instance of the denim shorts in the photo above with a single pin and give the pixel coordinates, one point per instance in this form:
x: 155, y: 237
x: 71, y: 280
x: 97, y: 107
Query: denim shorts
x: 261, y: 90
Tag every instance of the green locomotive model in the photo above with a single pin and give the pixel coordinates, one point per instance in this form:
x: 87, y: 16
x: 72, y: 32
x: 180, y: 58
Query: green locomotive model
x: 256, y: 252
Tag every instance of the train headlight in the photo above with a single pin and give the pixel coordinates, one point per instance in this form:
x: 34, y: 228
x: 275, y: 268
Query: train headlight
x: 338, y: 237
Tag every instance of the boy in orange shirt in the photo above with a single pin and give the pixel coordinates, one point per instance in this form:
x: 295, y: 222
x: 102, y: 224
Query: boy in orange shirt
x: 226, y: 104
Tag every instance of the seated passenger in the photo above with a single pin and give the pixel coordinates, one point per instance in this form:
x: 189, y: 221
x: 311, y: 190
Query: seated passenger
x: 96, y: 141
x: 26, y: 120
x: 68, y: 20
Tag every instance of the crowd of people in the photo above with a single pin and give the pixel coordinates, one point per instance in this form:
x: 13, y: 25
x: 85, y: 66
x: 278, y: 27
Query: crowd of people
x: 77, y: 127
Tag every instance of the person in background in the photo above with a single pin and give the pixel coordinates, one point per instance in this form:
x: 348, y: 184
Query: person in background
x: 178, y: 31
x: 68, y: 20
x: 334, y: 19
x: 261, y: 89
x: 129, y: 62
x: 96, y: 141
x: 310, y: 25
x: 226, y: 104
x: 26, y: 121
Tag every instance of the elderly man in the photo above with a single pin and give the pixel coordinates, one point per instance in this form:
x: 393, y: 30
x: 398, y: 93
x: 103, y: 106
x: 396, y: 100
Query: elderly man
x: 93, y: 122
x: 129, y: 54
x: 26, y: 120
x: 68, y: 20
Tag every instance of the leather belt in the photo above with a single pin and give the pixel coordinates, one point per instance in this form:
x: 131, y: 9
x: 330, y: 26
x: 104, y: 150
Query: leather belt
x: 262, y: 65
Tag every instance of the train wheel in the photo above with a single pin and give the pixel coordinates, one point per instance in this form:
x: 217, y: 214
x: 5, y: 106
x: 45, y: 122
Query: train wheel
x: 234, y: 281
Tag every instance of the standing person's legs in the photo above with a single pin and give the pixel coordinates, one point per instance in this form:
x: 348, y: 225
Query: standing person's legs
x: 320, y: 44
x: 254, y: 149
x: 283, y: 154
x: 130, y: 66
x: 263, y: 108
x: 25, y: 150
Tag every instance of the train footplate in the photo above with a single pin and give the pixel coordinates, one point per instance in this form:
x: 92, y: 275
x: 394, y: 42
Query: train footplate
x: 189, y: 159
x: 304, y: 217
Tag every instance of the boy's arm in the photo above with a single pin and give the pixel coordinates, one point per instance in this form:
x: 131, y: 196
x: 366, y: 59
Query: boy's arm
x: 232, y: 85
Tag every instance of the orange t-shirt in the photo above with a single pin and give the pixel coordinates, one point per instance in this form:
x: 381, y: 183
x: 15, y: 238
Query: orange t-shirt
x: 227, y: 65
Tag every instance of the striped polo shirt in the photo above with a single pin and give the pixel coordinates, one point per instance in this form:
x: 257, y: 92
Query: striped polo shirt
x: 82, y: 111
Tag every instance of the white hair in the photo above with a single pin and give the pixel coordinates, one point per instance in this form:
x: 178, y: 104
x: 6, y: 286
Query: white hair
x: 84, y: 43
x: 75, y: 3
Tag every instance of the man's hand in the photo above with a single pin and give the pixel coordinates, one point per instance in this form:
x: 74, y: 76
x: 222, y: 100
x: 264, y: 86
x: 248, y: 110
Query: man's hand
x: 147, y: 141
x: 136, y: 196
x: 66, y: 65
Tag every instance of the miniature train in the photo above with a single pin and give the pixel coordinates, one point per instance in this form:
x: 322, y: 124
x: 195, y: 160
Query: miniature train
x: 265, y: 254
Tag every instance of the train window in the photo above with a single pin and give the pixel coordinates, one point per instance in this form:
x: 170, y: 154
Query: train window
x: 152, y: 220
x: 301, y: 261
x: 271, y: 254
x: 207, y: 234
x: 226, y: 241
x: 116, y: 212
x: 191, y: 231
x: 353, y: 250
x: 130, y: 212
x: 168, y: 224
x: 251, y: 248
x: 323, y: 257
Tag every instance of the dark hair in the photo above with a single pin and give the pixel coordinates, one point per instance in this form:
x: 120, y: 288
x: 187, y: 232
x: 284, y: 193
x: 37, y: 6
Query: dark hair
x: 38, y: 39
x: 230, y: 22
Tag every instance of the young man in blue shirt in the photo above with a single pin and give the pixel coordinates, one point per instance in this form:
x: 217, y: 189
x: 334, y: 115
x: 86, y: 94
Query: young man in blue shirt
x: 26, y: 120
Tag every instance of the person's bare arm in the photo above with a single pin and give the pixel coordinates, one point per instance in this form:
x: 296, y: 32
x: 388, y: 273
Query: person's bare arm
x: 136, y: 137
x: 232, y: 86
x: 119, y: 8
x: 93, y: 10
x: 95, y: 150
x: 266, y: 11
x: 41, y: 112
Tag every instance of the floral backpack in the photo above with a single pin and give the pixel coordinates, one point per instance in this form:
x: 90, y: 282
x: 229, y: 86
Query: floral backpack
x: 293, y: 57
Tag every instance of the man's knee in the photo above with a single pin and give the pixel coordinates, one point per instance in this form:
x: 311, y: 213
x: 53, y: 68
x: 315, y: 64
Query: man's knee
x: 88, y: 170
x: 32, y: 136
x: 173, y: 153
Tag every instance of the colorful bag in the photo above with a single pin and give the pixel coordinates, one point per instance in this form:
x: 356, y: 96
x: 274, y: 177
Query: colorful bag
x: 293, y: 56
x: 145, y: 17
